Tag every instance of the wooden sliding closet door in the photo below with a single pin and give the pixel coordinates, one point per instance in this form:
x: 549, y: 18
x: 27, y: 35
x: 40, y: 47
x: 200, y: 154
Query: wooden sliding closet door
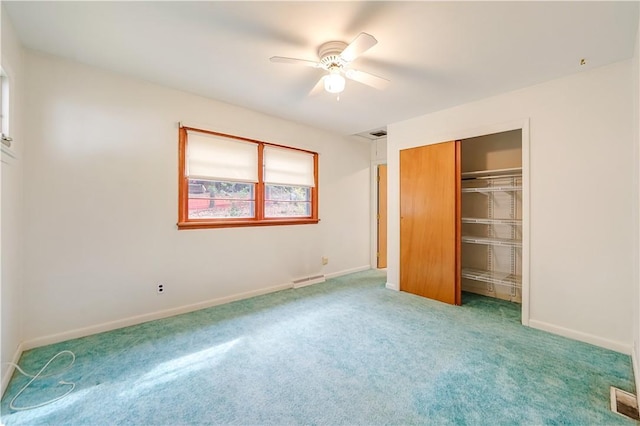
x: 430, y: 221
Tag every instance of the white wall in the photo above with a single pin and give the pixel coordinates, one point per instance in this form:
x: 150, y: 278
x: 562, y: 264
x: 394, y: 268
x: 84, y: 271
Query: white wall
x: 101, y: 204
x: 379, y: 151
x: 581, y: 171
x: 11, y: 211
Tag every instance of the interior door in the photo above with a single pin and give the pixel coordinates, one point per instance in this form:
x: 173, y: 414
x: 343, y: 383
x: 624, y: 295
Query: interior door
x: 430, y: 221
x: 382, y: 216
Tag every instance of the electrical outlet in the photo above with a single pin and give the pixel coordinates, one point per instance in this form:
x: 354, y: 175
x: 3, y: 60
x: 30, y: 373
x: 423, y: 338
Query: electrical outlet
x: 325, y: 260
x: 160, y: 288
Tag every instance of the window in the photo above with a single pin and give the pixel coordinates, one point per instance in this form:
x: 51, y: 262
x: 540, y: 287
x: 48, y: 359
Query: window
x: 288, y: 179
x: 229, y: 181
x: 4, y: 108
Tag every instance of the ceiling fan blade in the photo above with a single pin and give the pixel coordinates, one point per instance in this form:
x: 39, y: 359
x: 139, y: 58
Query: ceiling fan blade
x: 295, y: 61
x: 367, y: 78
x: 319, y: 87
x: 358, y: 46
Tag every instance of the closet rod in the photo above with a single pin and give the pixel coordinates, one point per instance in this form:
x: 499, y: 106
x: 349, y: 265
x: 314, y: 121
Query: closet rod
x: 492, y: 174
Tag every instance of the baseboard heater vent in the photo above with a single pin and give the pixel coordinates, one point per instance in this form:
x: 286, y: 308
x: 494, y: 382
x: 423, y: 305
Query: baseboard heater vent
x: 624, y: 403
x: 303, y: 282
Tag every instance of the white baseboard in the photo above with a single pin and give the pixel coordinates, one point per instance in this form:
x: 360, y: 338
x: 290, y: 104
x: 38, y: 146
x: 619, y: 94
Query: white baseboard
x: 582, y: 337
x: 7, y: 374
x: 323, y: 278
x: 391, y: 286
x: 138, y: 319
x: 348, y: 271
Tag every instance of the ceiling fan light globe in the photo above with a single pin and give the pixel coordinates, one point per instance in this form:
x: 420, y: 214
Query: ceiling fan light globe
x: 334, y: 83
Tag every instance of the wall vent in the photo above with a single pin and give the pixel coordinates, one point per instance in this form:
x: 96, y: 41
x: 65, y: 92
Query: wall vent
x: 303, y: 282
x: 624, y: 403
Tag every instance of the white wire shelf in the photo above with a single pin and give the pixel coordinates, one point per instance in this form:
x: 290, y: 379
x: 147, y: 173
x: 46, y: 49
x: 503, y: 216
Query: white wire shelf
x: 496, y: 278
x: 493, y: 174
x: 485, y: 189
x: 487, y: 221
x: 492, y: 241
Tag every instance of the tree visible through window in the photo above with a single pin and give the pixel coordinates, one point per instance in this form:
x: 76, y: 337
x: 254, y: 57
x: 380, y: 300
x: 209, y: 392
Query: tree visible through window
x: 285, y: 201
x: 232, y: 181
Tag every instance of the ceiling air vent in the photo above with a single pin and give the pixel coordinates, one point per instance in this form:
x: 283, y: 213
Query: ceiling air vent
x: 373, y: 134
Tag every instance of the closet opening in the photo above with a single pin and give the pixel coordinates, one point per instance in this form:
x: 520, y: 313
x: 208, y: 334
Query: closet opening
x: 491, y: 212
x: 464, y: 221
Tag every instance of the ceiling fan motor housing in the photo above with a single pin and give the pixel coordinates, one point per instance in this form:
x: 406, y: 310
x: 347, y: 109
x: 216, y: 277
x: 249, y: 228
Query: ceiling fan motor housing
x: 329, y: 54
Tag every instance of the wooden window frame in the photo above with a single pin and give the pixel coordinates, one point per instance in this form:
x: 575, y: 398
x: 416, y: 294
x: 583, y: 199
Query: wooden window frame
x: 184, y: 222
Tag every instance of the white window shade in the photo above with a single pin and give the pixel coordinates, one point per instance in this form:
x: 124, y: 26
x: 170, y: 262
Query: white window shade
x: 288, y: 167
x: 217, y: 158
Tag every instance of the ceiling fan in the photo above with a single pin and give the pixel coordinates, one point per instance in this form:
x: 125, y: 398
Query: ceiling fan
x: 335, y: 58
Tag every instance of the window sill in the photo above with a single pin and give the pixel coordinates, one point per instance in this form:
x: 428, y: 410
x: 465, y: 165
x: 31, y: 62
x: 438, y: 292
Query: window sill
x: 195, y: 224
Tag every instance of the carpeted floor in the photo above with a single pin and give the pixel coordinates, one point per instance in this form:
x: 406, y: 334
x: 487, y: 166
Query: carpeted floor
x: 347, y: 351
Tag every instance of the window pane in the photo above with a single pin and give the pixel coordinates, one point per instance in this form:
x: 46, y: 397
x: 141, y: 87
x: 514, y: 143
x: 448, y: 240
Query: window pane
x: 287, y: 201
x: 217, y: 199
x: 4, y: 103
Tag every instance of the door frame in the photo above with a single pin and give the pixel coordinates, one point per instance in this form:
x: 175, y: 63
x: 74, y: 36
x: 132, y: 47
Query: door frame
x: 373, y: 256
x: 381, y: 214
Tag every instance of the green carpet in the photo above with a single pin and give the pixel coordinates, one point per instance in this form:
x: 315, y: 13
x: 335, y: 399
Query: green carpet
x: 347, y: 351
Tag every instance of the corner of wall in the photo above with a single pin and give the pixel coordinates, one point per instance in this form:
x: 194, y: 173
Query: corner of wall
x: 11, y: 211
x: 636, y: 272
x: 635, y: 363
x: 6, y: 377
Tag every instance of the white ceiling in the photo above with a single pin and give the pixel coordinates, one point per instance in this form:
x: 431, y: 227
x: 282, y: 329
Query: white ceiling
x: 436, y: 54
